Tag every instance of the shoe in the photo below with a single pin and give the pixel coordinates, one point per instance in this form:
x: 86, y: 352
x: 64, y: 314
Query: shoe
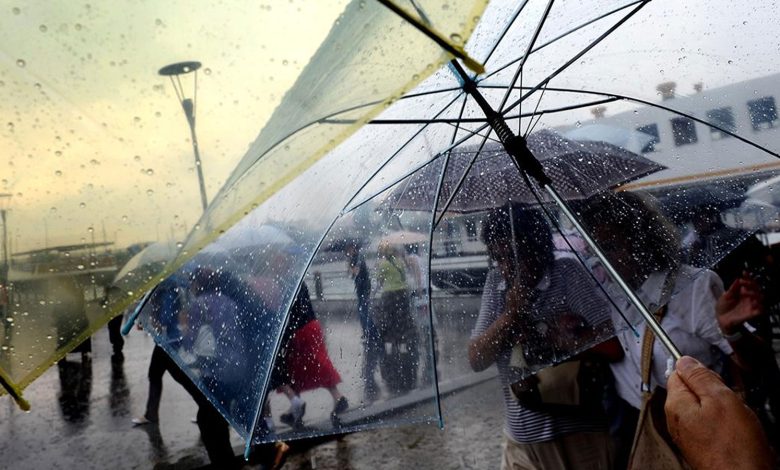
x: 294, y: 417
x: 341, y: 406
x: 140, y: 421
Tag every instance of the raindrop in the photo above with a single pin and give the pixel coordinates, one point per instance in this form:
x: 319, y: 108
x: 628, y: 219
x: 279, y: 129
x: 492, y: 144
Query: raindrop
x: 207, y: 71
x: 137, y: 158
x: 78, y: 26
x: 730, y: 62
x: 53, y: 210
x: 149, y: 171
x: 80, y: 267
x: 58, y: 153
x: 158, y: 22
x: 58, y: 173
x: 21, y: 62
x: 82, y: 205
x: 285, y: 62
x: 42, y: 28
x: 16, y: 10
x: 150, y: 192
x: 456, y: 38
x: 124, y: 218
x: 49, y: 337
x: 578, y: 124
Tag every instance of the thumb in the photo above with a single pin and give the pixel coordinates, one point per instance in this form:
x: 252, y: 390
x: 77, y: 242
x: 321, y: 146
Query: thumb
x: 698, y: 379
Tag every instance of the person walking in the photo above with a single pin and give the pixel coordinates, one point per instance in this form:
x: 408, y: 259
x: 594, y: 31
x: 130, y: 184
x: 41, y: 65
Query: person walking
x: 370, y: 335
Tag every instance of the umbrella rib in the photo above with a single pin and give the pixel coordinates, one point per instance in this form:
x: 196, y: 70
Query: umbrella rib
x: 277, y: 347
x: 577, y: 254
x: 561, y: 36
x: 455, y: 121
x: 387, y: 161
x: 617, y: 97
x: 419, y: 167
x: 524, y: 57
x: 584, y: 51
x: 503, y: 34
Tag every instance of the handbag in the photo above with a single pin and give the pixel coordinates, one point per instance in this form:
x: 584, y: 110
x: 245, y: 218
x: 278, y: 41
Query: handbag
x: 567, y: 387
x: 653, y: 447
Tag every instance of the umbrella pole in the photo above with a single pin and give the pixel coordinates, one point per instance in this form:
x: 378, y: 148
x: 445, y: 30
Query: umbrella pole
x: 525, y: 161
x: 652, y: 323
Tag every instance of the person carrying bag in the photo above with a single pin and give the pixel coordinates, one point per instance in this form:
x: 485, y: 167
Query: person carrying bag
x: 653, y: 447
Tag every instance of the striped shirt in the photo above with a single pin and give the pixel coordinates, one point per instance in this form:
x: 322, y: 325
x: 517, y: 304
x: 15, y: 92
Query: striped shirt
x: 565, y: 289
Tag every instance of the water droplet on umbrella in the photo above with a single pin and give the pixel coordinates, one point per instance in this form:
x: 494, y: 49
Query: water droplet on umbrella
x: 42, y: 28
x: 78, y: 26
x: 456, y: 38
x: 150, y: 192
x: 149, y: 171
x: 21, y: 62
x: 58, y: 173
x: 207, y: 71
x: 80, y: 267
x: 137, y: 158
x: 16, y: 10
x: 58, y: 153
x: 82, y: 205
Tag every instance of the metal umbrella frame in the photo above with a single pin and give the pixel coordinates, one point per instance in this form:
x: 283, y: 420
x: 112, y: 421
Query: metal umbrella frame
x: 494, y: 120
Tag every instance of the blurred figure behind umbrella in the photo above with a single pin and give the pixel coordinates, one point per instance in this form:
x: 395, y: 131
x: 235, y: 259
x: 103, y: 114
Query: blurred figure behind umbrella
x: 539, y: 310
x: 305, y: 363
x: 358, y: 270
x: 394, y: 321
x: 426, y: 321
x: 692, y: 307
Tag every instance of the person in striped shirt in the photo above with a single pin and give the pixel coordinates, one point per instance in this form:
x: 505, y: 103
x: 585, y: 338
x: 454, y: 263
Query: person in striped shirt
x: 549, y: 307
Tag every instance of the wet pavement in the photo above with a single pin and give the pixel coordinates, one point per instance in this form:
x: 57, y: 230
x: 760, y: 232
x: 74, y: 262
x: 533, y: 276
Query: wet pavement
x: 82, y: 410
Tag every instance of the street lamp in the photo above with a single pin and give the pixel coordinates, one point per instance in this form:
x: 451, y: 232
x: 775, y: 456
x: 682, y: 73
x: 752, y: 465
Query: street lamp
x: 4, y: 200
x: 175, y: 71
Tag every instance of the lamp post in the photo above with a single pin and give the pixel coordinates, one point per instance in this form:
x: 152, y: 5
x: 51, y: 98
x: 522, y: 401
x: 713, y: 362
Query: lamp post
x: 175, y: 71
x: 4, y: 199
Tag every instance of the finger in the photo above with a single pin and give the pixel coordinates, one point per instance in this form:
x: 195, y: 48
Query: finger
x: 680, y: 401
x: 700, y: 380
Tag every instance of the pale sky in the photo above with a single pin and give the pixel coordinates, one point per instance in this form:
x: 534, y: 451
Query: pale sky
x: 90, y: 128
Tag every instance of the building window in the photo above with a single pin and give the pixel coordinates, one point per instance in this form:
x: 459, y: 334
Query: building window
x: 763, y: 113
x: 652, y: 131
x: 684, y: 131
x: 724, y: 119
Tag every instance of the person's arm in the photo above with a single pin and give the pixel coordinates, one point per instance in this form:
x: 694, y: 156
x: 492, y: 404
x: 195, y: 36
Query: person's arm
x: 503, y: 333
x: 710, y: 424
x: 743, y: 301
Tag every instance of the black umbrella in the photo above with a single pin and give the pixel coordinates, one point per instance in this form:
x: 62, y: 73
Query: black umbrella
x: 477, y: 180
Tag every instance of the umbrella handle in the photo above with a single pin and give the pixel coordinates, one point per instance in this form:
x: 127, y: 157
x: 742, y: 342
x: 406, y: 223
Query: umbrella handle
x: 137, y: 311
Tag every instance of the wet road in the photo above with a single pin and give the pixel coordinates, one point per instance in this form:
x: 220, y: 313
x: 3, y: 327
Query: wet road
x: 82, y: 410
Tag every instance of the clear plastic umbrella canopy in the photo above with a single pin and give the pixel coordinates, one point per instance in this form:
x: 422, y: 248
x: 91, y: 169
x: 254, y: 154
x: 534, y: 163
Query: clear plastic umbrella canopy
x: 389, y: 326
x: 121, y: 122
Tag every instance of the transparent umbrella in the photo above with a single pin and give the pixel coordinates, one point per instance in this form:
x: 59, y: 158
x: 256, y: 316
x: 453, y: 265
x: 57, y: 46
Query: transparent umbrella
x: 549, y: 66
x: 96, y: 153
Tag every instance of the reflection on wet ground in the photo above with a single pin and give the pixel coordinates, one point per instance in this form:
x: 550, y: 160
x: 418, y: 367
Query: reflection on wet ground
x: 82, y: 409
